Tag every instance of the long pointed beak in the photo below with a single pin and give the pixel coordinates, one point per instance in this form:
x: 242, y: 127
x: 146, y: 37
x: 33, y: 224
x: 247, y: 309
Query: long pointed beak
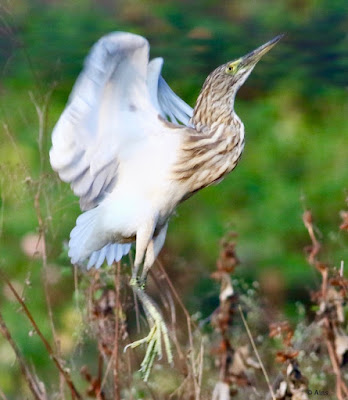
x: 253, y: 57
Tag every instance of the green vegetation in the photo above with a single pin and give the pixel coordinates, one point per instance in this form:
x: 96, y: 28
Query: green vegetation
x: 294, y: 108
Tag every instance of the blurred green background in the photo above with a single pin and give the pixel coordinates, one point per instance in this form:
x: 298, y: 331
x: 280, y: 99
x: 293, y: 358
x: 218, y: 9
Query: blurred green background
x: 294, y: 107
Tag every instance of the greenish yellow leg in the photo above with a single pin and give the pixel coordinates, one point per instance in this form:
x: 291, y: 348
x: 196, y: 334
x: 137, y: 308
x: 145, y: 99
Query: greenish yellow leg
x: 158, y: 331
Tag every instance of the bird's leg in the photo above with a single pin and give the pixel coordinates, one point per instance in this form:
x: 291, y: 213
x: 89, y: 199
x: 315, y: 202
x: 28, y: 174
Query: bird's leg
x: 158, y: 328
x: 153, y: 249
x: 143, y: 238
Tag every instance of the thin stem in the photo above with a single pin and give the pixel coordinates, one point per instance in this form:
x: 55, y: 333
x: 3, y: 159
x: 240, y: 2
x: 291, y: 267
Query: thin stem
x: 117, y: 332
x: 41, y: 114
x: 100, y: 374
x: 201, y: 362
x: 74, y: 393
x: 189, y: 322
x: 340, y: 385
x: 256, y: 352
x: 31, y: 381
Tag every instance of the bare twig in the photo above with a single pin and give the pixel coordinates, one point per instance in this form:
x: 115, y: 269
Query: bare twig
x: 342, y: 269
x: 41, y: 112
x: 201, y: 365
x: 117, y: 392
x: 130, y: 375
x: 30, y: 379
x: 100, y: 374
x: 108, y: 369
x: 256, y: 353
x: 188, y: 322
x: 327, y: 320
x: 74, y: 393
x: 341, y: 387
x: 315, y: 249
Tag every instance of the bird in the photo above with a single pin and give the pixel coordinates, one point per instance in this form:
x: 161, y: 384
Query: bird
x: 133, y: 150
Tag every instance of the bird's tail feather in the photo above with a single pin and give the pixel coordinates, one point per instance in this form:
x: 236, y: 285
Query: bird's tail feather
x: 83, y: 236
x: 111, y: 252
x: 84, y: 239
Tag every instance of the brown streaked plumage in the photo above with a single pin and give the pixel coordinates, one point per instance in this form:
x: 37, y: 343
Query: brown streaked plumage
x: 215, y: 146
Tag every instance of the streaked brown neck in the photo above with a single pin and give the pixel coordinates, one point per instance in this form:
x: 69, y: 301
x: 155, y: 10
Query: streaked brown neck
x: 215, y: 103
x: 217, y: 144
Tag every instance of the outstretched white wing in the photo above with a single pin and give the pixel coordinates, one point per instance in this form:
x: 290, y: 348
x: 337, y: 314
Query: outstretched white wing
x: 105, y: 114
x: 165, y: 100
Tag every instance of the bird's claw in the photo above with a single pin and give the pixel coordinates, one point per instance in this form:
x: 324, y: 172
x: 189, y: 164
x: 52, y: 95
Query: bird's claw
x: 154, y: 347
x: 137, y: 282
x: 134, y: 282
x: 153, y: 340
x: 142, y: 284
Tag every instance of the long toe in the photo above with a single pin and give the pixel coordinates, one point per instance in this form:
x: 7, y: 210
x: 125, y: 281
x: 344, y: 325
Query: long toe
x: 158, y: 333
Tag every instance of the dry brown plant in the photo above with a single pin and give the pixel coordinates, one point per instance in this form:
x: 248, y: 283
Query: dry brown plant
x: 330, y: 299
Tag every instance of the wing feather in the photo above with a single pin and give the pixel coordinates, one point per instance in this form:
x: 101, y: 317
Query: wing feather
x: 169, y: 104
x: 85, y: 139
x: 117, y: 92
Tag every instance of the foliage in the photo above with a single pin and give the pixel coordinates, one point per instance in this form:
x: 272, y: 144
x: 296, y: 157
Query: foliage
x: 244, y: 348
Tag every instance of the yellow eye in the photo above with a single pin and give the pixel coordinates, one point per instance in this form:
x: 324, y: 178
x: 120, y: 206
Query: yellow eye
x: 232, y: 68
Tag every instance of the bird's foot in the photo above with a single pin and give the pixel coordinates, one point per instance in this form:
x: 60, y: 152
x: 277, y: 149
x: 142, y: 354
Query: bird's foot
x: 158, y: 332
x: 137, y: 283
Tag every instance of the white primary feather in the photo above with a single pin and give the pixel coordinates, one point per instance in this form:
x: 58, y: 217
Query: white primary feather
x: 113, y: 148
x: 165, y: 100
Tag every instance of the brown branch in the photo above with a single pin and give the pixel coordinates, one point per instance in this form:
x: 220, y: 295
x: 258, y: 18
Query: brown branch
x: 316, y: 246
x: 42, y: 237
x: 256, y: 353
x: 41, y: 114
x: 100, y: 374
x: 326, y: 319
x: 74, y: 393
x: 341, y: 387
x: 188, y: 322
x: 117, y: 391
x: 31, y: 381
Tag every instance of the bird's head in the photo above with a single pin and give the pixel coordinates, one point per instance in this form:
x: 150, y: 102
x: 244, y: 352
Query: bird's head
x: 220, y: 87
x: 236, y: 72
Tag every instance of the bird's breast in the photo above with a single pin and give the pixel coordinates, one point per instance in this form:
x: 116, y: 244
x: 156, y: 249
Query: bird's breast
x: 207, y: 158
